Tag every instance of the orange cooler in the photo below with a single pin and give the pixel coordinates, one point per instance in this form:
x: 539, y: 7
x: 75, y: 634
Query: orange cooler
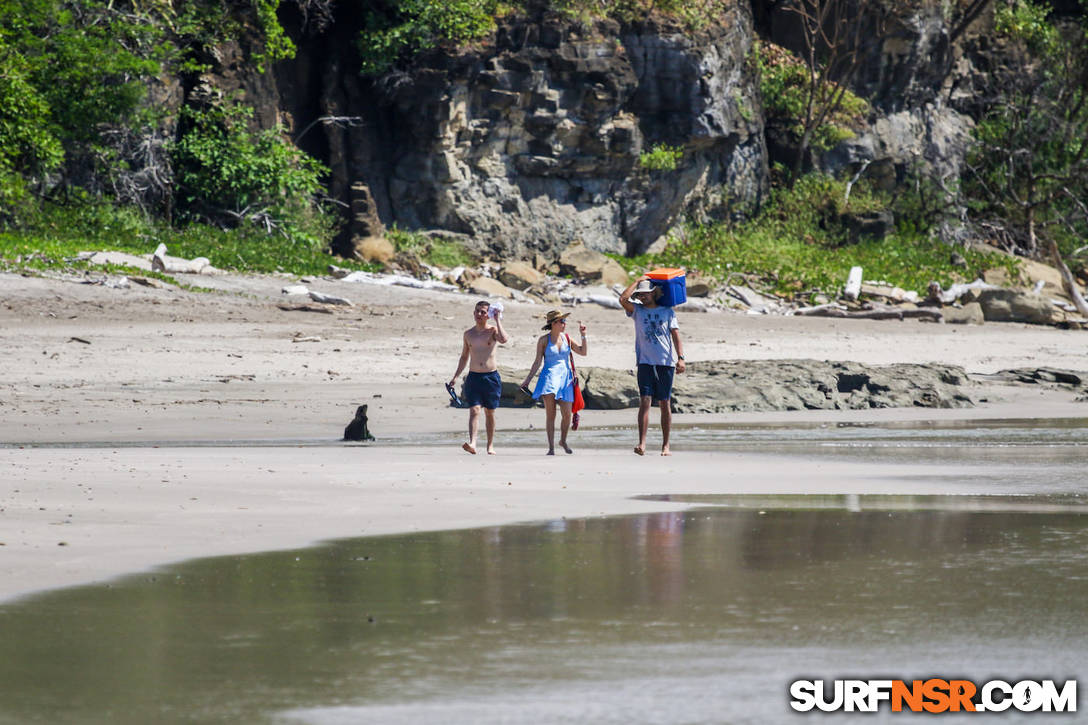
x: 673, y: 285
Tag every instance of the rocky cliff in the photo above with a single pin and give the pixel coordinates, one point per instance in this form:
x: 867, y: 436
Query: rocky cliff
x: 532, y: 139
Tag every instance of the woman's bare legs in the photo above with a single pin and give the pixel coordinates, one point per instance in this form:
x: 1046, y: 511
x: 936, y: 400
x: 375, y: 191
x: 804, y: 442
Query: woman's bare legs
x: 564, y: 426
x: 549, y: 421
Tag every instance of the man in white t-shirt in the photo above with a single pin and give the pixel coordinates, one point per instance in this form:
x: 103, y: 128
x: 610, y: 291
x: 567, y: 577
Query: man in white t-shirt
x: 659, y: 353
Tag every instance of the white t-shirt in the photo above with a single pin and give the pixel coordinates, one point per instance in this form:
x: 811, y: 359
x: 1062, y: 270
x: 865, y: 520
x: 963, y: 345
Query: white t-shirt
x: 653, y: 335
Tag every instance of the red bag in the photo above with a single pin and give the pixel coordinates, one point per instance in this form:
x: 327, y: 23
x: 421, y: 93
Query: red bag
x: 579, y: 402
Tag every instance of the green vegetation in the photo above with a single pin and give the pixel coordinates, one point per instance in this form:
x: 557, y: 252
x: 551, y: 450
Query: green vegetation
x: 1030, y: 166
x: 397, y: 30
x: 226, y: 170
x: 692, y: 14
x: 799, y: 244
x: 80, y: 152
x: 437, y: 252
x: 57, y: 234
x: 661, y: 157
x: 401, y: 28
x: 785, y: 84
x: 83, y: 164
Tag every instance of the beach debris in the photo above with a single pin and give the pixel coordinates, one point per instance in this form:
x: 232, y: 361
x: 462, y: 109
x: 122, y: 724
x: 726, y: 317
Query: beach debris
x: 888, y: 292
x: 754, y: 302
x: 306, y: 308
x: 853, y: 284
x: 953, y: 293
x: 329, y: 299
x: 398, y: 279
x: 79, y: 339
x: 357, y: 429
x: 309, y: 338
x: 870, y: 311
x: 608, y: 301
x: 160, y: 262
x: 112, y: 282
x: 146, y: 281
x: 117, y: 258
x: 295, y: 289
x: 693, y: 305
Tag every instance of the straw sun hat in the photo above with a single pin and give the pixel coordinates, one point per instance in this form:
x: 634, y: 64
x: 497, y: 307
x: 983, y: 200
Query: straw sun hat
x: 553, y: 317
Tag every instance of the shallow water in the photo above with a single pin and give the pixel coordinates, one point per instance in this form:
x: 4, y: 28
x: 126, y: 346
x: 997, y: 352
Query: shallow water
x: 696, y: 617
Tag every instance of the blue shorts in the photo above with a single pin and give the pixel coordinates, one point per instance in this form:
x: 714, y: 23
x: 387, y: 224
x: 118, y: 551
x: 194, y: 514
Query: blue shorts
x: 483, y: 389
x: 655, y: 381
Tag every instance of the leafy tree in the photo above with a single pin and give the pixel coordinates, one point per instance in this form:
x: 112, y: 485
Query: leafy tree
x: 835, y: 38
x: 1030, y: 165
x: 87, y: 60
x: 228, y: 172
x: 785, y: 84
x: 27, y: 148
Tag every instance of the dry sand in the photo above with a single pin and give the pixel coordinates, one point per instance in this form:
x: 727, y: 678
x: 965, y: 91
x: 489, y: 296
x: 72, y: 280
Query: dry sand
x: 111, y: 398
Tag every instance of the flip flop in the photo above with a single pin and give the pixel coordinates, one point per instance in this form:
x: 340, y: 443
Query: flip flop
x: 453, y: 396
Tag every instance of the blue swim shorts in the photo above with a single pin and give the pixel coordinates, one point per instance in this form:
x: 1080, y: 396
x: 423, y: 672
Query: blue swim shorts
x: 483, y: 389
x: 655, y: 381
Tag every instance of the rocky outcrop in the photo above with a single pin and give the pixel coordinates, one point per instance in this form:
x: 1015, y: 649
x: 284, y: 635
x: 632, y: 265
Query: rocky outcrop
x: 532, y: 140
x: 757, y: 385
x: 933, y: 138
x: 908, y: 74
x: 1009, y: 305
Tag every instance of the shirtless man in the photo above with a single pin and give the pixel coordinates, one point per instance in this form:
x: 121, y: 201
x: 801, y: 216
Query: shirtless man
x: 482, y: 384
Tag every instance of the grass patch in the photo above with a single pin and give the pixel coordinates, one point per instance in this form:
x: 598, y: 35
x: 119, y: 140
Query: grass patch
x: 55, y: 236
x: 444, y: 253
x: 798, y: 245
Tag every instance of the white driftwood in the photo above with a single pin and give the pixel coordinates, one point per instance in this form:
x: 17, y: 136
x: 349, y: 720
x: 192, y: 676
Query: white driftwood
x: 397, y: 279
x: 875, y: 312
x: 853, y: 284
x: 173, y: 265
x: 603, y: 300
x: 1071, y: 287
x: 895, y: 294
x: 832, y: 309
x: 329, y: 299
x: 956, y: 291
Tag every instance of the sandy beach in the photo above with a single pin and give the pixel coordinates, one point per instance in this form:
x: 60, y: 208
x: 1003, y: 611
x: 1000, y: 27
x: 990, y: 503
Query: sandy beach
x: 145, y: 426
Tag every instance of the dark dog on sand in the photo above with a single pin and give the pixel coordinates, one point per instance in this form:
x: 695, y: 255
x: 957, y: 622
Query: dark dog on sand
x: 357, y: 430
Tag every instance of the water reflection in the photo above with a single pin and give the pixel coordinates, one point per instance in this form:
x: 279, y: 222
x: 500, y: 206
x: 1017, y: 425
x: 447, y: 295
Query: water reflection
x: 703, y: 616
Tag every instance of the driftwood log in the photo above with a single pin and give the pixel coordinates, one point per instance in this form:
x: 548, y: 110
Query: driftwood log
x: 953, y: 293
x: 873, y: 312
x: 1067, y: 279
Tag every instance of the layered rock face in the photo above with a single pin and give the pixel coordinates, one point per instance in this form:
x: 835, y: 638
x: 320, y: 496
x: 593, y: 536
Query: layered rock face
x: 538, y: 143
x: 909, y: 72
x: 533, y: 141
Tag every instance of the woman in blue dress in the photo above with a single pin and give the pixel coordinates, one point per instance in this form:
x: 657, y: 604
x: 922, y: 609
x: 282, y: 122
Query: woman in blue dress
x: 556, y: 382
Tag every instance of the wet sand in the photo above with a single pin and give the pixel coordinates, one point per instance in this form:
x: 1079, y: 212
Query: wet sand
x: 89, y: 372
